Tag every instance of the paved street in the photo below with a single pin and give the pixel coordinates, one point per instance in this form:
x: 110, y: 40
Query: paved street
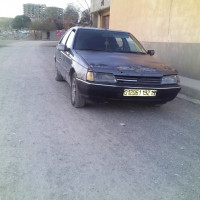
x: 52, y: 151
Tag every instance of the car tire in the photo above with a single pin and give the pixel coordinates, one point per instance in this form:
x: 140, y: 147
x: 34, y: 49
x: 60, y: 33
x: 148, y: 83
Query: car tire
x: 58, y: 76
x: 76, y: 99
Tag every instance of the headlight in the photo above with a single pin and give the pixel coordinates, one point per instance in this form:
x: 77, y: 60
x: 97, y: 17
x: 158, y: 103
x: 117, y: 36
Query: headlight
x: 101, y: 77
x: 173, y: 79
x: 90, y: 76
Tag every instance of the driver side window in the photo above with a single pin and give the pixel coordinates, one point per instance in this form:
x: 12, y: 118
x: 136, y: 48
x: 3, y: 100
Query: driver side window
x: 70, y: 39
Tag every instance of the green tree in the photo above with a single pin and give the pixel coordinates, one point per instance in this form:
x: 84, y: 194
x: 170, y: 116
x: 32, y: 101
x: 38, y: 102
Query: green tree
x: 5, y: 23
x: 21, y: 21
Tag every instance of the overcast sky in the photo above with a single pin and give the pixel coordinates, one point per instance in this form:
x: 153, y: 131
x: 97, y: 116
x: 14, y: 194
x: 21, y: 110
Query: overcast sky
x: 12, y: 8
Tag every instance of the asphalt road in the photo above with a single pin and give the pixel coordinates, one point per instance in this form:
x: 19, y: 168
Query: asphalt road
x: 52, y: 151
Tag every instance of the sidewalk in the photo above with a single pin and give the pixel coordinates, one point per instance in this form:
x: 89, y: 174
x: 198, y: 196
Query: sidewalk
x: 190, y: 89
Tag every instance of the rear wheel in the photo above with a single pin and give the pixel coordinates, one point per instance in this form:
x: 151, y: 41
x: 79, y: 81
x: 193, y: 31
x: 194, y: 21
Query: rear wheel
x: 76, y: 99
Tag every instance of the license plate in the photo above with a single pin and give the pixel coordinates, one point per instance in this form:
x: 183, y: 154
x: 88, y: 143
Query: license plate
x: 139, y: 93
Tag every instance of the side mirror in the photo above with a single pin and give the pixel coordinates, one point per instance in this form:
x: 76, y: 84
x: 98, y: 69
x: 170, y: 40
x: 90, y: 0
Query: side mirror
x: 151, y: 52
x: 62, y: 47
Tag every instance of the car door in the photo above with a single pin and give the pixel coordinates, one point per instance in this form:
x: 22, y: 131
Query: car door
x: 60, y: 56
x: 67, y: 56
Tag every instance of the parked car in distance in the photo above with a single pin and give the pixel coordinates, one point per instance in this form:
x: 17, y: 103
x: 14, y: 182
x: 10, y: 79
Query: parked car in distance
x: 106, y: 65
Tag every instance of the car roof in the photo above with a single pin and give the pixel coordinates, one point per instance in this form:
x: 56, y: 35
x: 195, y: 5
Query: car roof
x: 93, y: 28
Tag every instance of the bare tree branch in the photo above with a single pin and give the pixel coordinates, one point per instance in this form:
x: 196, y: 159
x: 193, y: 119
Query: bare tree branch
x: 88, y: 8
x: 81, y: 4
x: 87, y: 5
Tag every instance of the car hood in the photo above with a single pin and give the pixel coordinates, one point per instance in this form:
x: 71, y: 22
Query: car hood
x: 127, y: 64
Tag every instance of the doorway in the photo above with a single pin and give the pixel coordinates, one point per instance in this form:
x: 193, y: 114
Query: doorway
x: 105, y: 21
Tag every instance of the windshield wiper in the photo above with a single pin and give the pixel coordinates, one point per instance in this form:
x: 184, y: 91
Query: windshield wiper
x: 90, y: 49
x: 134, y: 52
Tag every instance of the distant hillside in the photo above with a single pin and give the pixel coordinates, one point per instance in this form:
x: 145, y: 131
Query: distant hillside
x: 5, y: 23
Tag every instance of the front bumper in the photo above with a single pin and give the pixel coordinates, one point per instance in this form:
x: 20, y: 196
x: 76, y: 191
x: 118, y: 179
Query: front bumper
x: 103, y: 92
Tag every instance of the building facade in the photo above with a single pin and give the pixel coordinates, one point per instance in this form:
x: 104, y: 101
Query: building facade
x: 40, y: 11
x: 100, y: 13
x: 34, y: 11
x: 170, y: 27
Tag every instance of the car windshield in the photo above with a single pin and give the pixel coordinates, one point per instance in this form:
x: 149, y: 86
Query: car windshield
x: 105, y: 40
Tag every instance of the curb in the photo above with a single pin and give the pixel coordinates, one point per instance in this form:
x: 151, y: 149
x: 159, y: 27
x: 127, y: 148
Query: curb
x: 190, y: 90
x: 182, y: 96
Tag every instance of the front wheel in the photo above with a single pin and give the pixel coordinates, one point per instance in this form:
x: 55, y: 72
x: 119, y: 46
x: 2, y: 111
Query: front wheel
x: 58, y: 76
x: 76, y: 99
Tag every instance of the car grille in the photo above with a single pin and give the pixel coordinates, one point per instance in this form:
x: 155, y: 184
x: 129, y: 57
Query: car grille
x: 132, y: 80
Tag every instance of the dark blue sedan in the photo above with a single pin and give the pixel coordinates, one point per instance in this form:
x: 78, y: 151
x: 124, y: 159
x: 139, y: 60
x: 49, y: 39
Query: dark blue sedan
x: 106, y: 65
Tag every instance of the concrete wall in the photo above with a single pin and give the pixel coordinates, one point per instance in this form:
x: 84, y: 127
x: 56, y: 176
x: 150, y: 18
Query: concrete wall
x: 185, y: 57
x: 53, y: 36
x: 171, y: 27
x: 97, y: 5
